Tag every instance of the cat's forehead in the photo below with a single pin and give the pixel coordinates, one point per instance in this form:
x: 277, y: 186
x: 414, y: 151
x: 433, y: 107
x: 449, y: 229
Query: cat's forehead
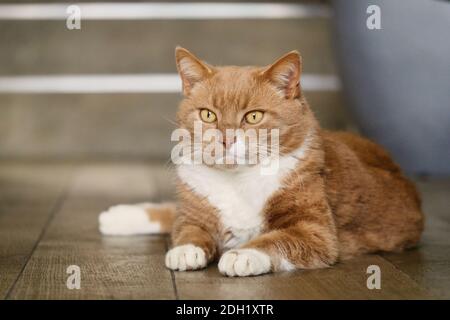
x: 226, y: 73
x: 234, y: 86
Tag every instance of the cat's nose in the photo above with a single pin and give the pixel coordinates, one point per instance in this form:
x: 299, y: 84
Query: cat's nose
x: 227, y: 143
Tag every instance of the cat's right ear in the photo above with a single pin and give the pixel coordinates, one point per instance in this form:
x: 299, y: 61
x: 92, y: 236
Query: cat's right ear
x: 190, y: 68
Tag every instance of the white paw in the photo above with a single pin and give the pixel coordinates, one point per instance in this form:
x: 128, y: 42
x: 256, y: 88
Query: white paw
x: 186, y: 257
x: 127, y: 220
x: 244, y: 262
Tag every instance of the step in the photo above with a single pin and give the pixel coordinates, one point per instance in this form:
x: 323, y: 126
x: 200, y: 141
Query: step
x: 52, y: 126
x: 99, y: 115
x: 47, y: 47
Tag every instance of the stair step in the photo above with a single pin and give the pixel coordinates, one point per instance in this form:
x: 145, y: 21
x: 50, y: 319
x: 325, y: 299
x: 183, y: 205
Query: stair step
x: 43, y: 47
x: 52, y: 126
x: 131, y: 121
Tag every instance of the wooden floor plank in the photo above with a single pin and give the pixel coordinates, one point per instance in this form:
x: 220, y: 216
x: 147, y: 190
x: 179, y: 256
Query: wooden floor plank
x: 29, y: 194
x: 346, y: 280
x: 133, y: 267
x: 429, y: 266
x: 111, y: 267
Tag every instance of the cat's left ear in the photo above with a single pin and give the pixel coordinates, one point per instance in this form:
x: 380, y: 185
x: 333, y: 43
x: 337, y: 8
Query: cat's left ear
x: 284, y: 74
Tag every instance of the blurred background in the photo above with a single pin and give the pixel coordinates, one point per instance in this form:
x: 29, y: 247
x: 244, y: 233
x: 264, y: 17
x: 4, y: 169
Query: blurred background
x: 86, y: 117
x: 109, y: 90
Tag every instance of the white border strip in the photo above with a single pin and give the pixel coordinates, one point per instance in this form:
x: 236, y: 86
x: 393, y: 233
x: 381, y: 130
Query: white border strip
x: 127, y: 83
x: 159, y: 10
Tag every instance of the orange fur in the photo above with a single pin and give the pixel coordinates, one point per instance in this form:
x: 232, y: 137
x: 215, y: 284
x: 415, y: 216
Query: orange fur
x: 164, y: 215
x: 345, y: 198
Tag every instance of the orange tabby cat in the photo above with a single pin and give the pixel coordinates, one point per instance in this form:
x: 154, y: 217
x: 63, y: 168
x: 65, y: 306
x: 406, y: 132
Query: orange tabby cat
x: 335, y: 195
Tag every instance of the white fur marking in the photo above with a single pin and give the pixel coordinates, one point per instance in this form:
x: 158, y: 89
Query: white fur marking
x: 239, y: 195
x: 244, y: 262
x: 128, y: 220
x: 186, y: 257
x: 286, y: 265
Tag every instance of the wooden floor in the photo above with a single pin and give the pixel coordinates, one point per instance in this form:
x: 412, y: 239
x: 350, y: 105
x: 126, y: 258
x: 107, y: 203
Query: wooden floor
x: 48, y: 221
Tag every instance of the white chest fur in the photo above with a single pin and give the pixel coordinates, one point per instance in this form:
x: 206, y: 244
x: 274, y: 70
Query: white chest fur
x: 240, y: 195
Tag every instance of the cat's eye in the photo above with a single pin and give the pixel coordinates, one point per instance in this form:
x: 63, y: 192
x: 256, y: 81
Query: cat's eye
x: 254, y: 117
x: 207, y: 115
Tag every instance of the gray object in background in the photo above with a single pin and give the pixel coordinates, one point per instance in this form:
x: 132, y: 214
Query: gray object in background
x: 397, y: 79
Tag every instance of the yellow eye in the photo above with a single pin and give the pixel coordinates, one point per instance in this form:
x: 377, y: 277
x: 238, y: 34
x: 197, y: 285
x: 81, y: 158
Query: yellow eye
x: 254, y: 117
x: 207, y: 115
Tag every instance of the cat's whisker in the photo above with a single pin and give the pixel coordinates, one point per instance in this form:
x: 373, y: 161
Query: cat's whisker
x: 170, y: 121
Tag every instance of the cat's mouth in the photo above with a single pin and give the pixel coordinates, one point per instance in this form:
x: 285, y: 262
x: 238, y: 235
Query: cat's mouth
x: 238, y: 162
x: 228, y: 167
x: 232, y: 162
x: 234, y: 157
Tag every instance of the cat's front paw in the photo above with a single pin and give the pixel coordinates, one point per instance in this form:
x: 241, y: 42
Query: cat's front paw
x: 244, y: 262
x: 186, y: 257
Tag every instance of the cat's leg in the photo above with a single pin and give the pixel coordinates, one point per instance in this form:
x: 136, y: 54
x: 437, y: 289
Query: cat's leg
x: 193, y: 248
x: 143, y: 218
x: 194, y: 234
x: 303, y: 246
x: 301, y: 234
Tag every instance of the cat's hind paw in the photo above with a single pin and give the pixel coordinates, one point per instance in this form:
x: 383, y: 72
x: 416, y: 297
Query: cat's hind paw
x: 244, y: 262
x: 186, y: 257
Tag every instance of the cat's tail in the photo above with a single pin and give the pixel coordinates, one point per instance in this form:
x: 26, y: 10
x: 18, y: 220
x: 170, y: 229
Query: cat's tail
x: 142, y: 218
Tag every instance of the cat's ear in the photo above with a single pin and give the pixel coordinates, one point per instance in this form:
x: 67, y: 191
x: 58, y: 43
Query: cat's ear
x: 190, y: 68
x: 284, y: 74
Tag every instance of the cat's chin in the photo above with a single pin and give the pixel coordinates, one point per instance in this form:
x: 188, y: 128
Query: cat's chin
x: 231, y: 167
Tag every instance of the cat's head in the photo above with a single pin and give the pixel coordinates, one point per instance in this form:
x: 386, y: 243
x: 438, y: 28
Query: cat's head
x: 247, y: 98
